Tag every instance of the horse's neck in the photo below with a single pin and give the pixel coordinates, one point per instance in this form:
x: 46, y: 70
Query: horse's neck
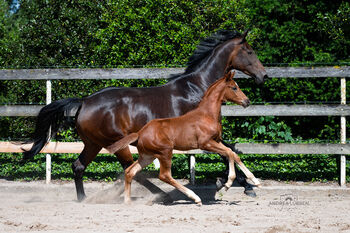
x: 192, y: 86
x: 214, y: 67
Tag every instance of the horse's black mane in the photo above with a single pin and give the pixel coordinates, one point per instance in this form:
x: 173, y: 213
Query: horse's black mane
x: 205, y: 48
x: 207, y: 45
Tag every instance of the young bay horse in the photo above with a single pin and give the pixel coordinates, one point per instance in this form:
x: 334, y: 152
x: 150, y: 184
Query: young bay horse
x: 108, y: 115
x: 197, y: 129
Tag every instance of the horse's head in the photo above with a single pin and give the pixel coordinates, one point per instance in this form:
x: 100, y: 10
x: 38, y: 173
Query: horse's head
x: 232, y: 91
x: 243, y: 58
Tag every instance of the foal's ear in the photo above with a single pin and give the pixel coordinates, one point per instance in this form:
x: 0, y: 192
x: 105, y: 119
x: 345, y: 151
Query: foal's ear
x: 244, y: 36
x: 229, y: 76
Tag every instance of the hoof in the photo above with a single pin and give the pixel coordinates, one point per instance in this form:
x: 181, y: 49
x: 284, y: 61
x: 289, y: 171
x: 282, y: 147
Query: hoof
x: 199, y: 203
x: 256, y: 182
x: 127, y: 201
x: 250, y: 192
x: 81, y: 198
x: 219, y: 183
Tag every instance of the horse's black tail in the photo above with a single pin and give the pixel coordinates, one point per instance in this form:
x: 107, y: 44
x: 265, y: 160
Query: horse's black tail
x: 48, y: 122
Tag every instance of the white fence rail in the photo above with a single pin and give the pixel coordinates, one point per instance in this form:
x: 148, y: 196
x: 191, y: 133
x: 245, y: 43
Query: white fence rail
x: 342, y: 110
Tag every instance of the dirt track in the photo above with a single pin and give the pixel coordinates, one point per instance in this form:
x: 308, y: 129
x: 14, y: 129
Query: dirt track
x: 37, y: 207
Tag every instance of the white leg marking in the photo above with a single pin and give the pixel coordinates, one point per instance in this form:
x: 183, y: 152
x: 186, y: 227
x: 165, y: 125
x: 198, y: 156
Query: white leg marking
x: 193, y: 196
x: 249, y: 175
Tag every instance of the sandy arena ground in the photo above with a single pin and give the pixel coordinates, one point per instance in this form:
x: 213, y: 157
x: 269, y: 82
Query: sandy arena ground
x: 279, y: 207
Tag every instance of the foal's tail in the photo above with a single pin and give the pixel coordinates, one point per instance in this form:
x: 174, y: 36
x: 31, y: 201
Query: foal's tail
x: 122, y: 143
x: 48, y: 122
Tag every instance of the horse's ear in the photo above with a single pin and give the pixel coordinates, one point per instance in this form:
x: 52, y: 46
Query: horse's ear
x: 244, y: 36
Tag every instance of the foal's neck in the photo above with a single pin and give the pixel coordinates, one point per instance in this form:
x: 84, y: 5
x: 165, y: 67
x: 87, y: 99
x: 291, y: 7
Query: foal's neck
x: 212, y: 100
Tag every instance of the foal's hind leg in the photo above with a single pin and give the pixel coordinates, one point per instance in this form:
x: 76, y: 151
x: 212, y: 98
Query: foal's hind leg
x: 131, y: 171
x: 125, y: 158
x: 87, y: 155
x: 165, y: 175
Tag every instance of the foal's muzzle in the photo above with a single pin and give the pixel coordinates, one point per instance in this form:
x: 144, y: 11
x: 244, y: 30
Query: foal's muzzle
x: 245, y: 103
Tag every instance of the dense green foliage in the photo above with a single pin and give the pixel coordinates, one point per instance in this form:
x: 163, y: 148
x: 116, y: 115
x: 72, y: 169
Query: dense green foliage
x: 159, y: 32
x: 300, y: 31
x: 106, y: 167
x: 154, y: 33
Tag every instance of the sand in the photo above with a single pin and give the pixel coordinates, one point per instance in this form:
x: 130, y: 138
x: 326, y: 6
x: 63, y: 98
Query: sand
x: 278, y: 207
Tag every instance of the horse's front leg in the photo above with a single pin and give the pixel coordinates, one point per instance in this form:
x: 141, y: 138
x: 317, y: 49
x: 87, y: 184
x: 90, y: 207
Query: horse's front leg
x: 218, y: 147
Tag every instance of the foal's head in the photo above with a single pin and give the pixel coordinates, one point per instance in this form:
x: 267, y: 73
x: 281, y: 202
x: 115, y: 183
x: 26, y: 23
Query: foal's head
x: 232, y: 91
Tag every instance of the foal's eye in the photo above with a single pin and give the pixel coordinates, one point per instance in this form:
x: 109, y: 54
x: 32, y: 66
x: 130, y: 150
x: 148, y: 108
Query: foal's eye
x: 234, y: 88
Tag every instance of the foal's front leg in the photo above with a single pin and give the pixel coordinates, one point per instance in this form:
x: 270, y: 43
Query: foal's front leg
x: 218, y: 147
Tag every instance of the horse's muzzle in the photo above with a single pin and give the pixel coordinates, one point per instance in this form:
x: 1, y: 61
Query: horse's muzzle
x: 261, y: 80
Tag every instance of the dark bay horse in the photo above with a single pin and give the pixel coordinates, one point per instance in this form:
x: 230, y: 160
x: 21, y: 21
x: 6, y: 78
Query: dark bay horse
x: 199, y: 128
x: 108, y: 115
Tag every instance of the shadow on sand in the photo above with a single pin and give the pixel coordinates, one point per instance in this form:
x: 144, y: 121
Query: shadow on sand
x: 150, y: 191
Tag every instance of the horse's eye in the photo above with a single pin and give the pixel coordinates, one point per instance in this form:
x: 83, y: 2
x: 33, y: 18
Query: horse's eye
x: 250, y: 52
x: 234, y: 88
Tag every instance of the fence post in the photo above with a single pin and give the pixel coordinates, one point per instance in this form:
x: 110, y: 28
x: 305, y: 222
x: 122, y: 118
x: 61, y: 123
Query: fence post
x: 192, y: 169
x: 48, y: 156
x: 342, y: 180
x: 156, y: 164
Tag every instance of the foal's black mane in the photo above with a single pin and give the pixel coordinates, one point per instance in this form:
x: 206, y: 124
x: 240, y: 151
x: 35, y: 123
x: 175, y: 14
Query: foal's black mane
x: 205, y: 48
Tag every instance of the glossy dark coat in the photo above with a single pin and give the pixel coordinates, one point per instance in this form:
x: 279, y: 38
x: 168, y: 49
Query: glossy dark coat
x: 108, y: 115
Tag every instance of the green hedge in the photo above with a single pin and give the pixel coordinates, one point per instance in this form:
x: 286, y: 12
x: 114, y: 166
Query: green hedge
x: 126, y: 33
x: 208, y: 167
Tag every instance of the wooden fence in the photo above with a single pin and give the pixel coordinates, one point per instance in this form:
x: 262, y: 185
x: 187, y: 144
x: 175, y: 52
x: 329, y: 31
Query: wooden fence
x: 342, y: 110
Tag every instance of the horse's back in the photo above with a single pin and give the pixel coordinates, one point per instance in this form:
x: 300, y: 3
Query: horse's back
x: 111, y: 113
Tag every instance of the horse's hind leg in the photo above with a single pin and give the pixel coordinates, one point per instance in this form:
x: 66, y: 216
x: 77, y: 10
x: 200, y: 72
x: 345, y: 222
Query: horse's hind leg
x: 165, y: 175
x: 87, y: 155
